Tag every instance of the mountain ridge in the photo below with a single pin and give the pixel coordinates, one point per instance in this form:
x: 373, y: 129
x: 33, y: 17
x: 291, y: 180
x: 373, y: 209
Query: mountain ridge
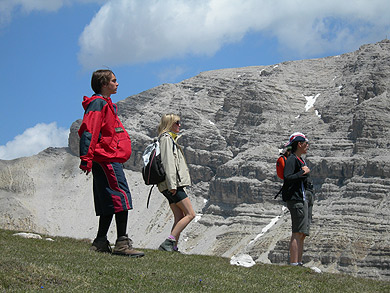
x: 234, y: 122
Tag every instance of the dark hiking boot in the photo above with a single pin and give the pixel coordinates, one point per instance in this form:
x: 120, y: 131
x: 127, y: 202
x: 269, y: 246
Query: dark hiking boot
x: 124, y: 246
x: 101, y: 244
x: 167, y: 245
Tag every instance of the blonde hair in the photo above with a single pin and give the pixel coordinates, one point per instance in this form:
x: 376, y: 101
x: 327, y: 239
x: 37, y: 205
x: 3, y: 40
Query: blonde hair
x: 166, y: 123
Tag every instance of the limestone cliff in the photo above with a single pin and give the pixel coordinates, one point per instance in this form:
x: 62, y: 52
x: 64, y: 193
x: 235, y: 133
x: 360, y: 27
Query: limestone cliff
x: 234, y: 122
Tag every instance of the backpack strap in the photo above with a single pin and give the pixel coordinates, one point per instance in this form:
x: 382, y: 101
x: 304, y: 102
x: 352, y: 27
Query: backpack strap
x: 150, y: 193
x: 167, y: 133
x: 301, y: 160
x: 278, y: 192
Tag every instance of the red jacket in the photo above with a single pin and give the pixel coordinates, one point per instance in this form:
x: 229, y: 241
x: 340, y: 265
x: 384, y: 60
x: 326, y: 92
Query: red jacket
x: 102, y: 135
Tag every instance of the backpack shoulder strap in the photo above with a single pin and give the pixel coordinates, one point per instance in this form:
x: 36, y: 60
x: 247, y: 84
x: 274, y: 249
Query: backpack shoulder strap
x: 281, y: 188
x: 301, y: 160
x: 166, y: 133
x: 150, y: 193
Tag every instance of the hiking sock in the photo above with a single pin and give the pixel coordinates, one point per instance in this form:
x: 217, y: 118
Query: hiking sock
x: 121, y: 223
x: 174, y: 239
x: 104, y: 225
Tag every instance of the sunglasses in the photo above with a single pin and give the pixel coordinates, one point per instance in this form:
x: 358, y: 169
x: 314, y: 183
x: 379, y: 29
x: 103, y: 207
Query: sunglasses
x: 178, y: 123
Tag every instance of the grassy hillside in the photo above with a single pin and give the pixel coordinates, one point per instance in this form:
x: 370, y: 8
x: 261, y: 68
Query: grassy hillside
x: 67, y: 265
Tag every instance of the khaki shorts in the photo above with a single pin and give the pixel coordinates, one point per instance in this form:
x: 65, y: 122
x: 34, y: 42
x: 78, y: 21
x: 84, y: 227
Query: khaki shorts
x: 301, y: 214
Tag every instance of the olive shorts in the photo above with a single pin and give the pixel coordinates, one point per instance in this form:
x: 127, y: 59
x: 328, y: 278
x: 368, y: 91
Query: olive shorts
x: 301, y: 214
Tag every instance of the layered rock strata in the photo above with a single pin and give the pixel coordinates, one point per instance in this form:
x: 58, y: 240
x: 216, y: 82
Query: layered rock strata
x: 234, y: 122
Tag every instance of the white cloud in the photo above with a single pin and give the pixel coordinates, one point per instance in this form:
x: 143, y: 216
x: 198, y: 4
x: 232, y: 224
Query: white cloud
x: 131, y: 31
x: 8, y: 7
x: 136, y: 31
x: 33, y: 140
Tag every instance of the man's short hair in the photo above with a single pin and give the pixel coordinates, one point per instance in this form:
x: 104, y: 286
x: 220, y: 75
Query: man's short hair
x: 99, y: 78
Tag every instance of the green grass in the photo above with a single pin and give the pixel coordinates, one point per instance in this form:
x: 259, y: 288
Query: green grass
x: 67, y: 265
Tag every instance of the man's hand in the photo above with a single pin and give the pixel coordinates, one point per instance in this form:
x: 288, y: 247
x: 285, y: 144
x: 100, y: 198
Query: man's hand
x: 86, y: 172
x: 84, y: 166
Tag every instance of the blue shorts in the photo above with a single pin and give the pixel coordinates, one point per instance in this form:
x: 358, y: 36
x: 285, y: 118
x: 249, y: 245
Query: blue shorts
x: 110, y: 190
x: 177, y: 197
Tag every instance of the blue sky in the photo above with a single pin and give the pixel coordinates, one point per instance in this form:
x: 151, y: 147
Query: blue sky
x: 49, y: 48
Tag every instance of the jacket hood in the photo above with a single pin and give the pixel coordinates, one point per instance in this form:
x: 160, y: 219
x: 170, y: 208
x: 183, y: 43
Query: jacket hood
x: 88, y: 100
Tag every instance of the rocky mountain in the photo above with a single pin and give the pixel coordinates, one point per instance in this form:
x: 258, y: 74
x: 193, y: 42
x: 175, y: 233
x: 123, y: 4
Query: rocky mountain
x: 234, y: 122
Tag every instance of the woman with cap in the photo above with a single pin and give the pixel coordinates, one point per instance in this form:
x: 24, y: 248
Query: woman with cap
x: 297, y: 192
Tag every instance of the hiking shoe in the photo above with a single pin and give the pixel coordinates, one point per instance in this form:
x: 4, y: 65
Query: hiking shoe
x: 167, y: 245
x: 124, y: 246
x: 101, y: 244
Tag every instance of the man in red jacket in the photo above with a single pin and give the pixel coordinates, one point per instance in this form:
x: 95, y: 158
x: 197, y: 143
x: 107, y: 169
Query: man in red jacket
x: 104, y: 146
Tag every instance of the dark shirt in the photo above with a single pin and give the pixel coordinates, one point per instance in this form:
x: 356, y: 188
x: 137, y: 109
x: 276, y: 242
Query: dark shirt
x: 294, y: 180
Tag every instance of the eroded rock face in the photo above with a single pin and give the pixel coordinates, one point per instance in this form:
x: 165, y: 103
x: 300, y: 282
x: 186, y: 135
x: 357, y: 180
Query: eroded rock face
x: 233, y: 123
